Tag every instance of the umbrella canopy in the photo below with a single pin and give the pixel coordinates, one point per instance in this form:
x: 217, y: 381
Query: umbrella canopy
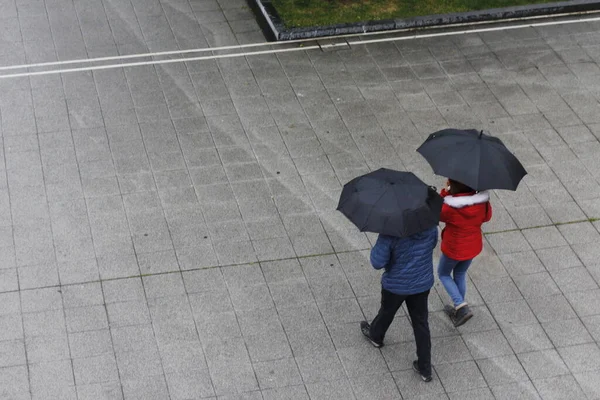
x: 390, y: 202
x: 471, y: 157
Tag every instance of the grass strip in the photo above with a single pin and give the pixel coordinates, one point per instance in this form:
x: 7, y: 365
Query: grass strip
x: 304, y: 13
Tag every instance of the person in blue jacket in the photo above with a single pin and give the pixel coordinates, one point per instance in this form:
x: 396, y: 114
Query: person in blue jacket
x: 407, y: 276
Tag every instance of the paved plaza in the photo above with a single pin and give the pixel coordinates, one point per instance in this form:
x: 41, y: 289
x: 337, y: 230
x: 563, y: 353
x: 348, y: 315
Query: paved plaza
x: 169, y: 231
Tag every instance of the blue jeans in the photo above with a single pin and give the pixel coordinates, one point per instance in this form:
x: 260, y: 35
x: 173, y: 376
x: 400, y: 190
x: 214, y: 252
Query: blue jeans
x: 453, y: 275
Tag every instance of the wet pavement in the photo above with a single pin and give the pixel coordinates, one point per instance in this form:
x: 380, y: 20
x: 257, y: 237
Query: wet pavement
x: 168, y: 231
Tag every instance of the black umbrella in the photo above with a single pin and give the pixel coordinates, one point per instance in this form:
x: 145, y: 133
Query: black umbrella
x: 390, y: 202
x: 471, y: 157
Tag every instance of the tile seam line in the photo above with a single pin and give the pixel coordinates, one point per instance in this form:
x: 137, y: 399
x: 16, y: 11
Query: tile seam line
x: 271, y: 51
x: 141, y: 275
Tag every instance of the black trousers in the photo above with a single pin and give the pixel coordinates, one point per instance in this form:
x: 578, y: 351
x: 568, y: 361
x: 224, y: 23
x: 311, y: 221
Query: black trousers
x: 419, y: 313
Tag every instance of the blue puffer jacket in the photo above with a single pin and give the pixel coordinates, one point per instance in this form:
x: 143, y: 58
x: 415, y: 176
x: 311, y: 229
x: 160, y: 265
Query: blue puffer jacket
x: 408, y: 262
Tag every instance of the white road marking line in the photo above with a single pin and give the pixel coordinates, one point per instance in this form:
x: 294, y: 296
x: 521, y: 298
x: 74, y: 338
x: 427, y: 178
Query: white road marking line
x: 263, y: 44
x: 158, y: 62
x: 482, y: 30
x: 270, y: 51
x: 132, y: 56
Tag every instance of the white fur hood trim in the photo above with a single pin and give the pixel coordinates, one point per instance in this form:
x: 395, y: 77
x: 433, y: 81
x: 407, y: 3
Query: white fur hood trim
x: 463, y: 201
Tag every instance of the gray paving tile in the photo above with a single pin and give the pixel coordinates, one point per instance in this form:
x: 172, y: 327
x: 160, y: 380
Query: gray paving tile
x: 38, y: 276
x: 89, y: 344
x: 52, y: 379
x: 37, y: 300
x: 451, y: 349
x: 277, y: 373
x: 163, y: 285
x: 240, y: 276
x: 13, y: 353
x: 568, y: 211
x: 135, y: 365
x: 558, y: 258
x: 275, y: 346
x: 309, y: 341
x: 541, y: 238
x: 10, y: 281
x: 97, y: 390
x: 234, y: 362
x: 455, y: 376
x: 145, y: 387
x: 179, y: 357
x: 527, y: 338
x: 341, y: 311
x: 574, y: 279
x: 410, y: 385
x: 117, y: 266
x: 190, y: 383
x: 320, y: 366
x: 560, y: 387
x: 482, y: 393
x: 288, y: 393
x: 11, y: 301
x: 592, y: 325
x: 223, y: 325
x: 86, y: 318
x: 350, y: 356
x: 536, y: 285
x: 581, y: 358
x: 339, y: 389
x: 584, y: 302
x: 291, y: 294
x: 502, y: 370
x: 15, y: 382
x: 523, y: 263
x: 512, y: 313
x: 521, y: 391
x: 95, y: 369
x: 488, y: 344
x: 551, y: 308
x: 375, y: 387
x: 259, y: 322
x: 251, y: 395
x: 509, y: 242
x: 585, y: 253
x: 543, y: 364
x: 588, y: 384
x: 128, y: 313
x: 498, y: 290
x: 529, y: 216
x: 567, y: 332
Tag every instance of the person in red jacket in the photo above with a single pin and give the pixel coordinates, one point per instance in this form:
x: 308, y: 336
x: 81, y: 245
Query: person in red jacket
x: 463, y: 212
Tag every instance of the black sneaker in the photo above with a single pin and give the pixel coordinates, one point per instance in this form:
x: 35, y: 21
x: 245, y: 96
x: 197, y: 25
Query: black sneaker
x: 425, y: 378
x: 461, y: 316
x: 449, y: 310
x: 365, y: 328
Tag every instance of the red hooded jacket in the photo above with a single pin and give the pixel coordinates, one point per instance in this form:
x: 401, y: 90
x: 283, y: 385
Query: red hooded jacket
x: 464, y: 214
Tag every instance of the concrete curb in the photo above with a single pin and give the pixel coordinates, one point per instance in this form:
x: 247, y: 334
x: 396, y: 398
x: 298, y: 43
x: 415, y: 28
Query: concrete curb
x: 274, y: 27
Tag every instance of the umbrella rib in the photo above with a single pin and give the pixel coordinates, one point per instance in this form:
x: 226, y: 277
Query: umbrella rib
x: 504, y: 166
x: 445, y: 148
x: 478, y: 163
x: 371, y: 210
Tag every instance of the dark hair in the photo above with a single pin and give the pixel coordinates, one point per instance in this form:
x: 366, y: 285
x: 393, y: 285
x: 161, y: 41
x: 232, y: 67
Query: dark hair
x: 459, y: 188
